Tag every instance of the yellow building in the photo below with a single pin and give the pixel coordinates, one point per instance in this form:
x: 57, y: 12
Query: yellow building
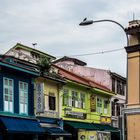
x: 47, y: 106
x: 133, y: 100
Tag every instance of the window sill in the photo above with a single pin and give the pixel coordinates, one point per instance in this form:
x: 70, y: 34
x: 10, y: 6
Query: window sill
x: 15, y: 114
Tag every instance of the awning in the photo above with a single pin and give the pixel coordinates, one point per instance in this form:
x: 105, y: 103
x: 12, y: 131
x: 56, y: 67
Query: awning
x: 54, y: 131
x: 20, y: 125
x: 91, y: 126
x: 52, y: 127
x: 81, y: 125
x: 105, y: 127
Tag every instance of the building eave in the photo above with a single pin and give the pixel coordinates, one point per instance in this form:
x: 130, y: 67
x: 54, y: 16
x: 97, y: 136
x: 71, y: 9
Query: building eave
x: 18, y: 45
x: 18, y: 68
x: 131, y: 49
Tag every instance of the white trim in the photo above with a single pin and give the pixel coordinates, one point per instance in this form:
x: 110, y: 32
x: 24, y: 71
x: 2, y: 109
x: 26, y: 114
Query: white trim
x: 8, y: 95
x: 24, y: 104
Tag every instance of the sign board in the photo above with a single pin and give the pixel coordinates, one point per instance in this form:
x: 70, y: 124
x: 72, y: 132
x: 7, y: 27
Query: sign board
x: 87, y: 135
x: 39, y: 97
x: 51, y: 114
x: 93, y: 103
x: 73, y: 114
x: 105, y: 120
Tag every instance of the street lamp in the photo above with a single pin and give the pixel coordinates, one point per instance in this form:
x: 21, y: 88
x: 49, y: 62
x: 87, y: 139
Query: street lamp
x: 86, y: 22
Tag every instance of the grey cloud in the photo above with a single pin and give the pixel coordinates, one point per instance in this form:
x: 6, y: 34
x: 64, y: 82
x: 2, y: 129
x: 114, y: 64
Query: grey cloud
x: 54, y: 26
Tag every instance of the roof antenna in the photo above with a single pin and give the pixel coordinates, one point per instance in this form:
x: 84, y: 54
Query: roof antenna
x: 34, y: 44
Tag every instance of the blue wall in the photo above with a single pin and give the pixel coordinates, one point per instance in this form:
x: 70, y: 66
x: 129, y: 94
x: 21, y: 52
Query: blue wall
x: 18, y: 76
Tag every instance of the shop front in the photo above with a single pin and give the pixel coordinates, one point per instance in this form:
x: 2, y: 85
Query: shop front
x: 53, y: 129
x: 15, y: 128
x: 94, y: 135
x: 89, y: 131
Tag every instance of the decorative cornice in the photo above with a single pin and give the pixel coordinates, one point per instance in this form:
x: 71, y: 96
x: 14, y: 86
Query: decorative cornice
x: 131, y: 49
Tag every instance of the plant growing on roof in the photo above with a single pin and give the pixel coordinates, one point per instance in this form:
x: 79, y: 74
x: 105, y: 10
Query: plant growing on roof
x: 44, y: 64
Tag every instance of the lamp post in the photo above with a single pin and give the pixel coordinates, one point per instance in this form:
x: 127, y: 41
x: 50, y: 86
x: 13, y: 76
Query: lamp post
x: 86, y: 22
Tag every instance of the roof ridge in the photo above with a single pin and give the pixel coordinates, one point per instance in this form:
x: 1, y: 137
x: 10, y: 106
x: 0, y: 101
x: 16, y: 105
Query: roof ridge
x: 31, y: 49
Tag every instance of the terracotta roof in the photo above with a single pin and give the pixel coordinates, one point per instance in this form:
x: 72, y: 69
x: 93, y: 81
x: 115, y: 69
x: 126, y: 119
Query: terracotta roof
x: 79, y: 79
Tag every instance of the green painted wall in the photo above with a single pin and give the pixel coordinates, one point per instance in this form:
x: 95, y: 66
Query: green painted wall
x: 90, y: 116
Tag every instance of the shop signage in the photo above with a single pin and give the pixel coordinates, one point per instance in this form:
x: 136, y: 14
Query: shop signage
x: 87, y: 135
x: 106, y: 120
x: 73, y: 114
x: 93, y: 103
x: 39, y: 97
x: 52, y: 114
x: 82, y: 137
x: 91, y: 137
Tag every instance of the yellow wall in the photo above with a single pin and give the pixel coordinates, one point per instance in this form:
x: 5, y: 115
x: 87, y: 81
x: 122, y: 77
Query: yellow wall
x: 133, y: 79
x: 134, y: 40
x: 133, y: 127
x: 88, y: 135
x: 49, y: 87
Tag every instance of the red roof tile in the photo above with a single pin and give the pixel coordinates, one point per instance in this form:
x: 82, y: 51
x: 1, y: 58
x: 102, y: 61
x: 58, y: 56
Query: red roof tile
x: 79, y: 79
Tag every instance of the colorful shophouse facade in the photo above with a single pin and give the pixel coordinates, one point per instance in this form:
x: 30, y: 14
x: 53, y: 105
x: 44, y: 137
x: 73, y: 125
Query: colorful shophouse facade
x: 46, y: 92
x: 75, y: 105
x: 115, y: 82
x: 17, y: 118
x: 47, y: 106
x: 85, y: 107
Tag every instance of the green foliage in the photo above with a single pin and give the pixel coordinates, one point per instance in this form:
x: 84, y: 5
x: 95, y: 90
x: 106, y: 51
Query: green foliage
x: 44, y: 63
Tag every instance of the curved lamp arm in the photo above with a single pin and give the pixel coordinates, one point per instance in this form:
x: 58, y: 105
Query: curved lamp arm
x: 86, y: 22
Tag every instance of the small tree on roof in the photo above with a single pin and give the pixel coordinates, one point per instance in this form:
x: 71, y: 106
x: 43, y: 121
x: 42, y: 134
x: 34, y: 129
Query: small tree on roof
x: 44, y: 63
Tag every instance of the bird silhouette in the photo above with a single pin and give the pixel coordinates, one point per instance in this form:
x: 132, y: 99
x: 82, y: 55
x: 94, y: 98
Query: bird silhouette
x: 34, y: 44
x: 85, y: 19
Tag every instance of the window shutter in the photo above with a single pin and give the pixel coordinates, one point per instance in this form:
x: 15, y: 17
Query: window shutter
x: 70, y: 101
x: 39, y: 97
x: 79, y: 104
x: 76, y: 103
x: 65, y: 100
x: 100, y: 109
x: 84, y: 105
x: 105, y: 111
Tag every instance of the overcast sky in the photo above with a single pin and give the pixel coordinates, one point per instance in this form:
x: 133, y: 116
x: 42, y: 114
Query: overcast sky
x: 54, y: 26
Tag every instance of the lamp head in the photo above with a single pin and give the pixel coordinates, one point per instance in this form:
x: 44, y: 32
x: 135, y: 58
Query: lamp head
x: 86, y: 22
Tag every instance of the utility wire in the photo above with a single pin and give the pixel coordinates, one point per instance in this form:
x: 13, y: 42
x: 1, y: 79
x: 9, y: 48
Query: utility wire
x: 95, y: 53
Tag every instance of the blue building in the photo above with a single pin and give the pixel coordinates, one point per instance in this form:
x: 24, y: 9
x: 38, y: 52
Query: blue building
x: 46, y: 91
x: 17, y: 119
